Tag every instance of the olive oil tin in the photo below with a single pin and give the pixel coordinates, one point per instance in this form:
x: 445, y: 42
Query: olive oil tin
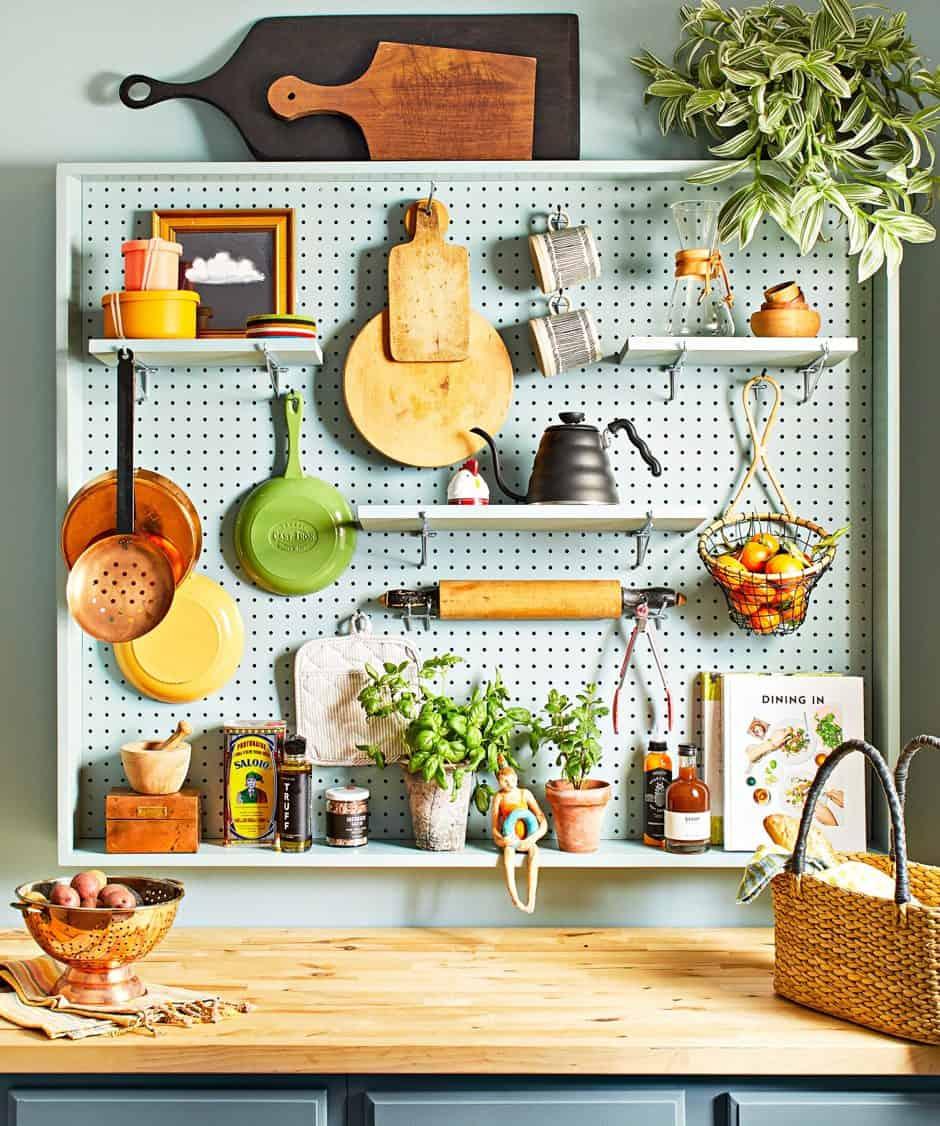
x: 251, y: 759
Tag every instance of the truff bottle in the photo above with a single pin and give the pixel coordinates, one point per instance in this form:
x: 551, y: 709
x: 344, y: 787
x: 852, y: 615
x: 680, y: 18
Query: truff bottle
x: 688, y: 807
x: 294, y: 798
x: 657, y: 774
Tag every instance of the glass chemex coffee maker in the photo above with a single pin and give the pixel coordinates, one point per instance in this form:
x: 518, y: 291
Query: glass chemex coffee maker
x: 701, y: 298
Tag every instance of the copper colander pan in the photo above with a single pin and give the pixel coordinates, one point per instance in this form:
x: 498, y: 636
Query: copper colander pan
x: 100, y: 944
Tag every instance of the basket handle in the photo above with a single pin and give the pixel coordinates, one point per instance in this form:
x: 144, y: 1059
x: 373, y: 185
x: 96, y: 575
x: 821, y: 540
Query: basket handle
x: 760, y: 446
x: 904, y: 762
x: 902, y: 891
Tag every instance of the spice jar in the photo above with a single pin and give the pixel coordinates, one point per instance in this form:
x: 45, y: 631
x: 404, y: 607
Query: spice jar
x: 347, y: 816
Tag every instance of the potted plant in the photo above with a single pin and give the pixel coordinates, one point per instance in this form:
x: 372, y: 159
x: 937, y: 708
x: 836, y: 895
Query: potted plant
x: 818, y: 110
x: 445, y: 743
x: 578, y: 802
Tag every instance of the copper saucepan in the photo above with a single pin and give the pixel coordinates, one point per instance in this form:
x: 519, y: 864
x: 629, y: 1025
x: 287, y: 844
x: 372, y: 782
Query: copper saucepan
x: 122, y: 585
x: 162, y: 512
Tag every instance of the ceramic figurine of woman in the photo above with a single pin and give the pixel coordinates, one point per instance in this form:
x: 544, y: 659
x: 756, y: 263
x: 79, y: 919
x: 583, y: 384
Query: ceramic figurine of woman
x: 517, y: 824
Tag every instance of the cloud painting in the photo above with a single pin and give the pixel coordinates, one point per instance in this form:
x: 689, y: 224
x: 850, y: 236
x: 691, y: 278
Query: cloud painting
x: 223, y: 269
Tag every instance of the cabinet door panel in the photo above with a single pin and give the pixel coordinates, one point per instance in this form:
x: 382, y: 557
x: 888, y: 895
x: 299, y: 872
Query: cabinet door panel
x: 804, y: 1108
x: 102, y: 1107
x: 526, y: 1108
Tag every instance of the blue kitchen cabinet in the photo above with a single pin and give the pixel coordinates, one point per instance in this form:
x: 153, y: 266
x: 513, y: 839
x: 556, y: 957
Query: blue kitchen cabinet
x: 808, y: 1108
x: 148, y: 1107
x: 525, y: 1107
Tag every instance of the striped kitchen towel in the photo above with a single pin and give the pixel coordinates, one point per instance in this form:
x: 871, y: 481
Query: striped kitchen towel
x: 30, y: 1001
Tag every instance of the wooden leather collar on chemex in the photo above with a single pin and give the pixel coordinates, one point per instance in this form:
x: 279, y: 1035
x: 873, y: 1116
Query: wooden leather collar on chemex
x: 705, y: 264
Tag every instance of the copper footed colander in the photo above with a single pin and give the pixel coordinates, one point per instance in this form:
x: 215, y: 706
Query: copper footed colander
x: 100, y: 944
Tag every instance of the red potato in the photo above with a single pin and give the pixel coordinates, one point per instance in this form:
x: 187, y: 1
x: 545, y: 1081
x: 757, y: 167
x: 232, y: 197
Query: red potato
x: 89, y: 901
x: 89, y: 884
x: 117, y: 896
x: 64, y: 896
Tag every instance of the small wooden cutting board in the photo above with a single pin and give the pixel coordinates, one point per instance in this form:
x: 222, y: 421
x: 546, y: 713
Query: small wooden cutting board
x: 428, y: 103
x: 428, y: 291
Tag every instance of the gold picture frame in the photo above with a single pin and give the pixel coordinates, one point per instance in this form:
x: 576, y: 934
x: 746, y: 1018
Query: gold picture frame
x: 259, y: 255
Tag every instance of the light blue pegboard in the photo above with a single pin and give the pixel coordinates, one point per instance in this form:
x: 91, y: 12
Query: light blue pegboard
x: 213, y: 432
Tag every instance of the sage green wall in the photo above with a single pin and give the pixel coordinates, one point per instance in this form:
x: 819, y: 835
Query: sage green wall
x: 60, y: 69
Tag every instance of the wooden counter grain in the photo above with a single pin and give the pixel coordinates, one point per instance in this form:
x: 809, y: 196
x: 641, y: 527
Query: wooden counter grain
x: 520, y: 1001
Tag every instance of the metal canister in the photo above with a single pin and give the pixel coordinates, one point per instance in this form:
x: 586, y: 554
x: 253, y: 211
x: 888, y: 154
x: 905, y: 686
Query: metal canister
x: 347, y: 816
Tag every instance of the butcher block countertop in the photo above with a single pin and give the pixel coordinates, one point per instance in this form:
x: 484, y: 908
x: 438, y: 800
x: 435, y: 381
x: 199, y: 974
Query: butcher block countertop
x: 517, y: 1001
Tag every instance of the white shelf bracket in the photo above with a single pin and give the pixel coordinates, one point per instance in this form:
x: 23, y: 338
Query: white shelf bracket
x: 276, y: 370
x: 674, y: 370
x: 812, y: 374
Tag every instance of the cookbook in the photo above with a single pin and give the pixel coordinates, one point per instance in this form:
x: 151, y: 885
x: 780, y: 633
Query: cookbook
x: 776, y: 731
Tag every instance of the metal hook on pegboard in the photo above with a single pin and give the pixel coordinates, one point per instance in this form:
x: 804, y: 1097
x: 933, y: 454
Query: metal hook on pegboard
x: 674, y: 370
x: 276, y: 370
x: 812, y: 373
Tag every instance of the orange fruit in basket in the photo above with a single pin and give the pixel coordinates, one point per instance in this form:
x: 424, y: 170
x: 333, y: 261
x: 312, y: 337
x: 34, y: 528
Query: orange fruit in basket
x: 788, y: 565
x: 729, y: 562
x: 744, y: 605
x: 766, y: 620
x: 795, y: 609
x: 754, y: 556
x: 768, y: 540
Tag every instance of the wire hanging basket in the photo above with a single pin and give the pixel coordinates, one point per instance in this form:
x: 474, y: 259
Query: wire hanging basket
x: 796, y: 552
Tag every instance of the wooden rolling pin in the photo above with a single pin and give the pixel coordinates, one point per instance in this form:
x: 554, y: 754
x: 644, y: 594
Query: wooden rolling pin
x: 513, y: 599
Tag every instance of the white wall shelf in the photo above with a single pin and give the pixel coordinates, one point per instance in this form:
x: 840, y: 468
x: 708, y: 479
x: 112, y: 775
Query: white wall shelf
x: 427, y: 520
x: 278, y: 356
x: 613, y: 854
x: 210, y: 352
x: 808, y: 355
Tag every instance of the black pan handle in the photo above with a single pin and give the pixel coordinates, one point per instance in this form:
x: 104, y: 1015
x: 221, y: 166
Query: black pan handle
x: 631, y: 431
x: 125, y: 442
x: 157, y: 91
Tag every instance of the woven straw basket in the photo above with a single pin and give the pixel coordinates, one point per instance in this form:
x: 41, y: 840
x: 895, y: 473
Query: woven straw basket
x: 864, y: 959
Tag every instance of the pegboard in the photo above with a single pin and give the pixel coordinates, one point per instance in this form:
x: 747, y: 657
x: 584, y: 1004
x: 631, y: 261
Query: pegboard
x: 218, y: 432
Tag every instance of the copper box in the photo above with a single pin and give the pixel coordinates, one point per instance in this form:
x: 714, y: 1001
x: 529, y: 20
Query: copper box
x: 151, y: 822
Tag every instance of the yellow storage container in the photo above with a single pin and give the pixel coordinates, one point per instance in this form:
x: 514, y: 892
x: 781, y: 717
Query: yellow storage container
x: 154, y: 314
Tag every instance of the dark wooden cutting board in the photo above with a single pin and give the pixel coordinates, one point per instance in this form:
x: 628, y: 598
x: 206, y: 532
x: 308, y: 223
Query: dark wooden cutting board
x: 337, y: 49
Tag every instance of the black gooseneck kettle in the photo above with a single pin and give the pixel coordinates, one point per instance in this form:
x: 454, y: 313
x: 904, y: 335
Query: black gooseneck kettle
x: 571, y: 465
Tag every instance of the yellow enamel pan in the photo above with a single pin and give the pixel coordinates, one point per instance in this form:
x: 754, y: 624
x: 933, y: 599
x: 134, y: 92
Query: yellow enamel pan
x: 193, y: 652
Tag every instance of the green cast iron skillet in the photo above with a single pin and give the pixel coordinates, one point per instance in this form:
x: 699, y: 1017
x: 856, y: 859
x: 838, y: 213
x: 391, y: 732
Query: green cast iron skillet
x: 294, y: 534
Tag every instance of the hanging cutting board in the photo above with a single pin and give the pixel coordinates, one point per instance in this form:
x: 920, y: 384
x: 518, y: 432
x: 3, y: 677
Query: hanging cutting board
x: 427, y: 103
x: 428, y: 290
x: 335, y: 50
x: 420, y: 413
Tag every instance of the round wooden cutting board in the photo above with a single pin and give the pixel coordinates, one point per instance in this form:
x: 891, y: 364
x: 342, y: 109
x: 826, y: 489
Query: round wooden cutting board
x: 421, y: 413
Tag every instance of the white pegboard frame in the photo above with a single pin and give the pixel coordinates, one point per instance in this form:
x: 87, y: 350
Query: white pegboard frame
x: 636, y: 275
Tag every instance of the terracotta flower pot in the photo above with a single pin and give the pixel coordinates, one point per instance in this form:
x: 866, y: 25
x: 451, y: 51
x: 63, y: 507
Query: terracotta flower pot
x: 578, y: 814
x: 439, y: 823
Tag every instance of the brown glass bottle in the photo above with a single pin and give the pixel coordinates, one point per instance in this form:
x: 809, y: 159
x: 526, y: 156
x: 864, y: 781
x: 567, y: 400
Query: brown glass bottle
x: 657, y: 775
x: 688, y: 807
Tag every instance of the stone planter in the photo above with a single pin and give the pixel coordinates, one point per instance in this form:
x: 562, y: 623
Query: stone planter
x: 439, y: 823
x: 578, y: 814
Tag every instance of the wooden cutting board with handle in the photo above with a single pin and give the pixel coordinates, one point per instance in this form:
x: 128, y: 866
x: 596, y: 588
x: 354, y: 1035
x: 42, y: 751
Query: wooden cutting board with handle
x: 428, y: 290
x: 428, y: 103
x: 338, y: 49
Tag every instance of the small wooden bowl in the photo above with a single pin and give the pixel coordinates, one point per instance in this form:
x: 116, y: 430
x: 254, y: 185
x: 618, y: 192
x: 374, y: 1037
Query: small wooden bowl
x: 785, y: 322
x: 155, y: 772
x: 786, y: 293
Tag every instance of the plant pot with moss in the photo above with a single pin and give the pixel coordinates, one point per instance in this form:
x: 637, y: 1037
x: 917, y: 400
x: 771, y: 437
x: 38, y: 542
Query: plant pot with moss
x: 578, y: 802
x: 445, y: 743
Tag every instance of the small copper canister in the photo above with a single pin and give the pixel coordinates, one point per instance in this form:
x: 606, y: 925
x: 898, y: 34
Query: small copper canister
x: 347, y: 816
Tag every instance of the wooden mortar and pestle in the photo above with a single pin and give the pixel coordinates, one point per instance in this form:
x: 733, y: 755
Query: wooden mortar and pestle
x: 154, y: 767
x: 785, y: 313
